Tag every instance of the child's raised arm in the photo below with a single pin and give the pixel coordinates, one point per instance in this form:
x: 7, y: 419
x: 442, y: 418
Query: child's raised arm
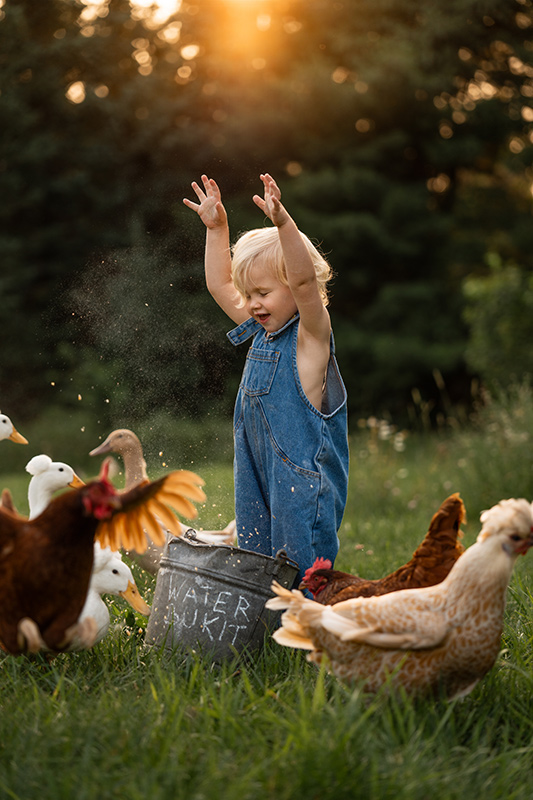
x: 301, y: 275
x: 217, y: 247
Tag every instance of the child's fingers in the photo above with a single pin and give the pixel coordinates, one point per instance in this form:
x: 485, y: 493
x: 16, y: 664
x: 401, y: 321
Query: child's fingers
x: 220, y: 211
x: 268, y: 180
x: 200, y: 194
x: 190, y: 204
x: 259, y: 202
x: 210, y: 186
x: 208, y: 183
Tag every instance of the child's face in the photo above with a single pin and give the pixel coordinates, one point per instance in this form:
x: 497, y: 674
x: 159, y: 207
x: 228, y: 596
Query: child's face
x: 267, y: 300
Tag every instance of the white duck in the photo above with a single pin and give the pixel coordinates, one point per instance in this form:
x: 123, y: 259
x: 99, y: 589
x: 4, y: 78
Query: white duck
x: 110, y: 574
x: 8, y: 431
x: 127, y: 445
x: 48, y: 477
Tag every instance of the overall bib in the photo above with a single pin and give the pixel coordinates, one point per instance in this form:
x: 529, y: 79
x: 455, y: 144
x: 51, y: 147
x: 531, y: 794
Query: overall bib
x: 291, y: 460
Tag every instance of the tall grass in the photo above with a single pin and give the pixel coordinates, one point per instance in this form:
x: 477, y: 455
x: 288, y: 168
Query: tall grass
x: 127, y: 721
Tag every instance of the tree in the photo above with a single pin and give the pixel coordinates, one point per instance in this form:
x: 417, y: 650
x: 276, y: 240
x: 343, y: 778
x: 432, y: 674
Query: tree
x: 83, y: 123
x: 399, y: 131
x: 499, y: 311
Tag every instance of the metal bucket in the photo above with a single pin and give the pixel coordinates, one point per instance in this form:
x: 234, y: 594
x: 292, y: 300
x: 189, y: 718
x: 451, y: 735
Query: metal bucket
x: 212, y: 597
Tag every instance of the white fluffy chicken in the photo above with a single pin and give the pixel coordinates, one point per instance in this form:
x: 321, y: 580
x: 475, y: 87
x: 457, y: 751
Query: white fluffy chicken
x: 110, y: 575
x: 8, y: 431
x: 443, y: 638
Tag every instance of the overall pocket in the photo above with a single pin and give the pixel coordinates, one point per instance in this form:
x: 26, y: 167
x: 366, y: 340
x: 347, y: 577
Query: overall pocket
x: 259, y: 371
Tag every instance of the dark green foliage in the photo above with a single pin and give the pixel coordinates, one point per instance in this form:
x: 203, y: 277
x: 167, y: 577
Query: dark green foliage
x: 143, y: 313
x: 499, y: 311
x: 399, y: 130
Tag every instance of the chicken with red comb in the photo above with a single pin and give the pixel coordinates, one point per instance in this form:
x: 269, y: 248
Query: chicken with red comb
x: 46, y: 562
x: 429, y: 565
x: 437, y: 640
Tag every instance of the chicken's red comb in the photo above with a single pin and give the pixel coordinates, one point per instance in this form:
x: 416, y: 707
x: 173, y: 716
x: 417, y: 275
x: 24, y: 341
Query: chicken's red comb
x: 104, y: 472
x: 320, y: 563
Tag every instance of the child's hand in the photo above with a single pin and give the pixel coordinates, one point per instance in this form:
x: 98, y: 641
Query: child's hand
x: 210, y: 209
x: 271, y: 204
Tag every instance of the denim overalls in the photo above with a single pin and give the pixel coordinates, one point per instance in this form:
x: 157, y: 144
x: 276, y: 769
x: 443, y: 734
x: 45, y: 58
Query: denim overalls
x: 291, y: 460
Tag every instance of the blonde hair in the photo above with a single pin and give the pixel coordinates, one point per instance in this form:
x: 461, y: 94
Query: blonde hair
x: 265, y: 242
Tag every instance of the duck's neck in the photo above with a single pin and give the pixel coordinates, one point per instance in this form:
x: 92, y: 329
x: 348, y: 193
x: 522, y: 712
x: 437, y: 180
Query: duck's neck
x: 134, y: 467
x: 37, y: 499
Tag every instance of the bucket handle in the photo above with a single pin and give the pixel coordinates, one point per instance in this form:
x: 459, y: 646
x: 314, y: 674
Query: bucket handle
x: 279, y: 561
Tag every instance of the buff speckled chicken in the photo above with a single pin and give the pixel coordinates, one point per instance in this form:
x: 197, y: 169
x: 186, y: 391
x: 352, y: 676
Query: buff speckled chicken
x: 443, y: 638
x: 46, y: 562
x: 430, y: 563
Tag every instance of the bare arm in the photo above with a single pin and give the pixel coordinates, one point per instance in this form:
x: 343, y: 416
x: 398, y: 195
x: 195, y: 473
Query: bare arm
x: 314, y: 318
x: 217, y: 247
x: 314, y: 330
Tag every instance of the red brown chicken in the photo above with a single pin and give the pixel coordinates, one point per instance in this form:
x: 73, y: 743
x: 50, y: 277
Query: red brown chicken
x: 429, y: 565
x: 46, y: 562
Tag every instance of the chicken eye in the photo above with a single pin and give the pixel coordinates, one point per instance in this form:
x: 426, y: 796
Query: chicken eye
x: 515, y: 537
x: 61, y: 469
x: 115, y: 572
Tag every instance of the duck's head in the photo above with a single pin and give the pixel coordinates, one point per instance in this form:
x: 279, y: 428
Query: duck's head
x: 118, y: 441
x: 52, y: 475
x: 8, y: 431
x: 48, y: 477
x: 112, y: 576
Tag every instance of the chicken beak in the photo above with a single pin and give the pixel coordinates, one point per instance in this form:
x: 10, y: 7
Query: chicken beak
x: 101, y: 449
x: 526, y: 544
x: 76, y: 482
x: 133, y: 596
x: 18, y: 437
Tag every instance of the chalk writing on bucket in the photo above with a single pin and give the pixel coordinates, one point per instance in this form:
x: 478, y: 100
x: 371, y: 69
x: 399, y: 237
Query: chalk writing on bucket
x: 216, y: 613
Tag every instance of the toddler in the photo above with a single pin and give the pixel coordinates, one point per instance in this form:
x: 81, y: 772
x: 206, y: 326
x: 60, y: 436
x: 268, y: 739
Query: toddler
x: 290, y: 422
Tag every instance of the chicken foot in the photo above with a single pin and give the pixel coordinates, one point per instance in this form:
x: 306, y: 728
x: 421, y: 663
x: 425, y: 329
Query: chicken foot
x: 83, y: 632
x: 29, y: 636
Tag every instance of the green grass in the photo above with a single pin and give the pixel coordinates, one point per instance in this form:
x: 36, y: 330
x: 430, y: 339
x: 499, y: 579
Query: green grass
x: 126, y: 721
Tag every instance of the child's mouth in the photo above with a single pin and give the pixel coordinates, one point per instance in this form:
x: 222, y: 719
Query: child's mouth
x: 263, y: 317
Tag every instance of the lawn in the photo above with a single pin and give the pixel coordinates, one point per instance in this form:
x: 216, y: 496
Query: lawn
x: 127, y: 721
